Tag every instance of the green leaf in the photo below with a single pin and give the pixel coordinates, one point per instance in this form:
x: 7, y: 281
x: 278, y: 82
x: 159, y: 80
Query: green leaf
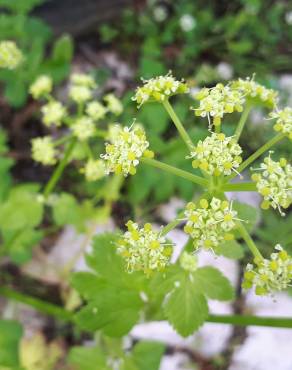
x: 65, y: 210
x: 147, y: 355
x: 21, y: 209
x: 10, y: 335
x: 84, y: 358
x: 246, y: 213
x: 114, y: 311
x: 63, y: 49
x: 88, y: 284
x: 230, y: 249
x: 186, y: 309
x: 210, y: 281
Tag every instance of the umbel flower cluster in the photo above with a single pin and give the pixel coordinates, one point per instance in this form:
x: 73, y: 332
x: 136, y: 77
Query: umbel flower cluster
x: 159, y: 89
x: 212, y: 221
x: 123, y: 153
x: 216, y: 101
x: 274, y: 183
x: 79, y: 120
x: 217, y: 155
x: 269, y: 275
x: 144, y: 249
x: 210, y: 224
x: 10, y: 56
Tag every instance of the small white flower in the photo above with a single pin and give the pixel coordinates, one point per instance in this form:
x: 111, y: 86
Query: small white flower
x: 80, y: 94
x: 269, y: 275
x: 94, y: 170
x: 10, y: 56
x: 274, y: 183
x: 82, y: 79
x: 159, y: 89
x: 188, y: 262
x: 41, y: 87
x: 288, y: 18
x: 160, y: 13
x: 283, y: 121
x: 225, y: 71
x: 144, y: 249
x: 43, y: 150
x: 83, y: 128
x: 53, y: 113
x: 125, y: 150
x: 187, y: 22
x: 114, y: 104
x: 217, y: 101
x: 210, y: 224
x: 96, y: 110
x: 216, y: 155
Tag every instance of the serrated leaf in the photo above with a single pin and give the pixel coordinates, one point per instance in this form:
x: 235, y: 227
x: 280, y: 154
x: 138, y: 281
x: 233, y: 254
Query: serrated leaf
x: 114, y: 311
x: 85, y: 358
x: 211, y: 282
x: 87, y: 284
x: 186, y: 309
x: 230, y: 249
x: 10, y: 334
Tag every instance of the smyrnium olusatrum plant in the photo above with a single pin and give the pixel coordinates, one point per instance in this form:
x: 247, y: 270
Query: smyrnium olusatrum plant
x: 146, y: 279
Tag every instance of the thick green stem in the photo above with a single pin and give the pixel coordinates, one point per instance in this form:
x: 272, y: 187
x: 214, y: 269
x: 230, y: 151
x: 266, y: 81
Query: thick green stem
x: 178, y: 124
x: 60, y: 168
x: 242, y: 122
x: 240, y: 186
x: 64, y: 315
x: 257, y: 154
x: 250, y: 243
x: 247, y: 320
x: 176, y: 171
x: 42, y: 306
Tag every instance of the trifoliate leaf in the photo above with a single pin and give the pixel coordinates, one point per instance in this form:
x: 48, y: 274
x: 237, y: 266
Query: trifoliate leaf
x: 10, y: 334
x: 114, y: 311
x: 186, y: 308
x: 211, y: 282
x: 230, y: 249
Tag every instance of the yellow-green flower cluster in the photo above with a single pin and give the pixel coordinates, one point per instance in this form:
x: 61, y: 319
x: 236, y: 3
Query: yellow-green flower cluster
x: 81, y: 88
x: 274, y: 183
x: 83, y: 128
x: 144, y: 249
x: 123, y: 154
x: 188, y: 262
x: 254, y: 90
x: 43, y: 150
x: 96, y: 110
x: 210, y: 223
x: 53, y: 113
x: 114, y: 104
x: 217, y: 154
x: 283, y: 121
x: 42, y: 86
x: 218, y: 100
x: 94, y: 169
x: 159, y: 89
x: 10, y: 56
x: 269, y: 275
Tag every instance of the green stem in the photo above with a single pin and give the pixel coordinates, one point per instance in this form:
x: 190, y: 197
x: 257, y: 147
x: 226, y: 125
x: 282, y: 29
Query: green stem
x: 241, y: 186
x: 176, y: 171
x: 247, y: 320
x: 64, y: 315
x: 60, y: 168
x: 178, y: 124
x: 42, y: 306
x: 62, y: 140
x: 242, y: 122
x: 257, y: 154
x: 250, y: 243
x: 167, y: 228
